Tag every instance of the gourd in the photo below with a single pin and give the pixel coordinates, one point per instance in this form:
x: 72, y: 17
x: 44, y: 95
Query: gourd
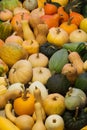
x: 81, y: 82
x: 5, y: 30
x: 76, y: 61
x: 7, y: 124
x: 75, y: 120
x: 48, y: 49
x: 21, y: 72
x: 27, y: 32
x: 39, y: 121
x: 58, y: 83
x: 9, y: 95
x: 38, y: 59
x: 40, y: 86
x: 24, y: 122
x: 70, y: 71
x: 25, y: 102
x: 38, y: 98
x: 57, y: 65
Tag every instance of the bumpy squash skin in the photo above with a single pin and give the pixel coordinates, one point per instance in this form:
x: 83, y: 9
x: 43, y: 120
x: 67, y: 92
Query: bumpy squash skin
x: 58, y: 83
x: 72, y: 123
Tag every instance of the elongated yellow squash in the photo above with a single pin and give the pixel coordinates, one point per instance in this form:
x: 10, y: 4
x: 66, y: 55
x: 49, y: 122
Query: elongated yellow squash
x: 6, y: 124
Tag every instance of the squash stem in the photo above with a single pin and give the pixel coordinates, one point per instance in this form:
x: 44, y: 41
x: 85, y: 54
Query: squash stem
x: 76, y: 113
x: 25, y: 97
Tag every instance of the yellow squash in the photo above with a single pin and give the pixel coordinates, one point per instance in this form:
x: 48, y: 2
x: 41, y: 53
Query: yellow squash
x: 7, y: 124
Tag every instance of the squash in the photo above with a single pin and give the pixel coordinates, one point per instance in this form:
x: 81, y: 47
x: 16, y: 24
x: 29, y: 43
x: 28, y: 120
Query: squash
x: 73, y: 56
x: 21, y: 72
x: 58, y: 83
x: 39, y: 124
x: 75, y: 120
x: 9, y: 95
x: 57, y: 65
x: 7, y: 124
x: 81, y: 82
x: 5, y: 30
x: 24, y: 122
x: 25, y: 102
x: 57, y: 36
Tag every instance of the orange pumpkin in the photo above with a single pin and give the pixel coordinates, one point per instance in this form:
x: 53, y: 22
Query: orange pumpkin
x: 24, y: 104
x: 63, y: 16
x: 77, y: 17
x: 16, y: 22
x: 50, y: 8
x: 51, y: 20
x: 68, y: 26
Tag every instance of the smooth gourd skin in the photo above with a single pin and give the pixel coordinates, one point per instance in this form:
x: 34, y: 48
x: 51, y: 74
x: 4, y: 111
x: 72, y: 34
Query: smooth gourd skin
x: 72, y: 123
x: 6, y: 124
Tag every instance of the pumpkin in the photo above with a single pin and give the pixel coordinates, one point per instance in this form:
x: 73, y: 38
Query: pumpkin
x: 20, y: 10
x: 6, y: 15
x: 31, y: 46
x: 48, y: 49
x: 5, y: 30
x: 50, y: 8
x: 63, y: 16
x: 41, y: 74
x: 75, y: 120
x: 57, y: 65
x: 57, y: 36
x: 68, y: 26
x: 21, y: 72
x: 25, y: 102
x: 51, y: 20
x: 58, y: 83
x: 77, y: 17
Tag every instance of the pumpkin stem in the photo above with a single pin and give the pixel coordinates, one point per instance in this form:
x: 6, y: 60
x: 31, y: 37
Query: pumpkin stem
x: 55, y: 98
x: 76, y: 113
x: 70, y: 91
x: 25, y: 97
x: 58, y: 30
x: 69, y: 20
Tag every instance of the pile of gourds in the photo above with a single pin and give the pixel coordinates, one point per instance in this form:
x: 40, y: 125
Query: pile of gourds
x: 43, y: 65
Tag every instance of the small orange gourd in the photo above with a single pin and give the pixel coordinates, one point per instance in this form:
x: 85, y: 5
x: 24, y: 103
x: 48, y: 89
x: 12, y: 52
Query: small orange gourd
x: 51, y: 20
x: 63, y: 16
x: 77, y: 17
x: 50, y: 8
x: 68, y: 26
x: 24, y: 104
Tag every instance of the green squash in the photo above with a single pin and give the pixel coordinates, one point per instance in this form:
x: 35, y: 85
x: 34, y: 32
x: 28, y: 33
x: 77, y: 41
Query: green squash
x: 58, y: 60
x: 48, y: 49
x: 84, y: 11
x: 75, y: 120
x: 81, y: 82
x: 58, y: 83
x: 5, y: 30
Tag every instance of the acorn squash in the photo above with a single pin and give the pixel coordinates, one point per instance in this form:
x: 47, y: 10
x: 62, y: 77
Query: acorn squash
x: 48, y: 49
x: 75, y: 120
x: 58, y: 83
x: 81, y: 82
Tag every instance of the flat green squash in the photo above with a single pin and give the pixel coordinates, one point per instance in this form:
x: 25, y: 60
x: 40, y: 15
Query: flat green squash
x: 58, y: 60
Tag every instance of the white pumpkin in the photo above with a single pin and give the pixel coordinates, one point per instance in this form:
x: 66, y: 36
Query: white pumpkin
x: 21, y: 72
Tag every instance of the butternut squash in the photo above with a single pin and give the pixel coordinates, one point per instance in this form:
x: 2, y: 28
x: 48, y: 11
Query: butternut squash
x: 24, y: 122
x: 76, y: 61
x: 39, y: 125
x: 7, y: 124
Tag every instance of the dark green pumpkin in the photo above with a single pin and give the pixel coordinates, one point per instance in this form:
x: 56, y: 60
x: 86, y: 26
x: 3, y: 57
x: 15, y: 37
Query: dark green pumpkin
x: 75, y: 120
x: 84, y: 11
x: 48, y: 49
x: 81, y: 82
x: 58, y: 83
x: 5, y: 30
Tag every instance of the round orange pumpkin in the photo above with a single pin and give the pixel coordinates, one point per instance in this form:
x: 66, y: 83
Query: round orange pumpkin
x: 24, y: 104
